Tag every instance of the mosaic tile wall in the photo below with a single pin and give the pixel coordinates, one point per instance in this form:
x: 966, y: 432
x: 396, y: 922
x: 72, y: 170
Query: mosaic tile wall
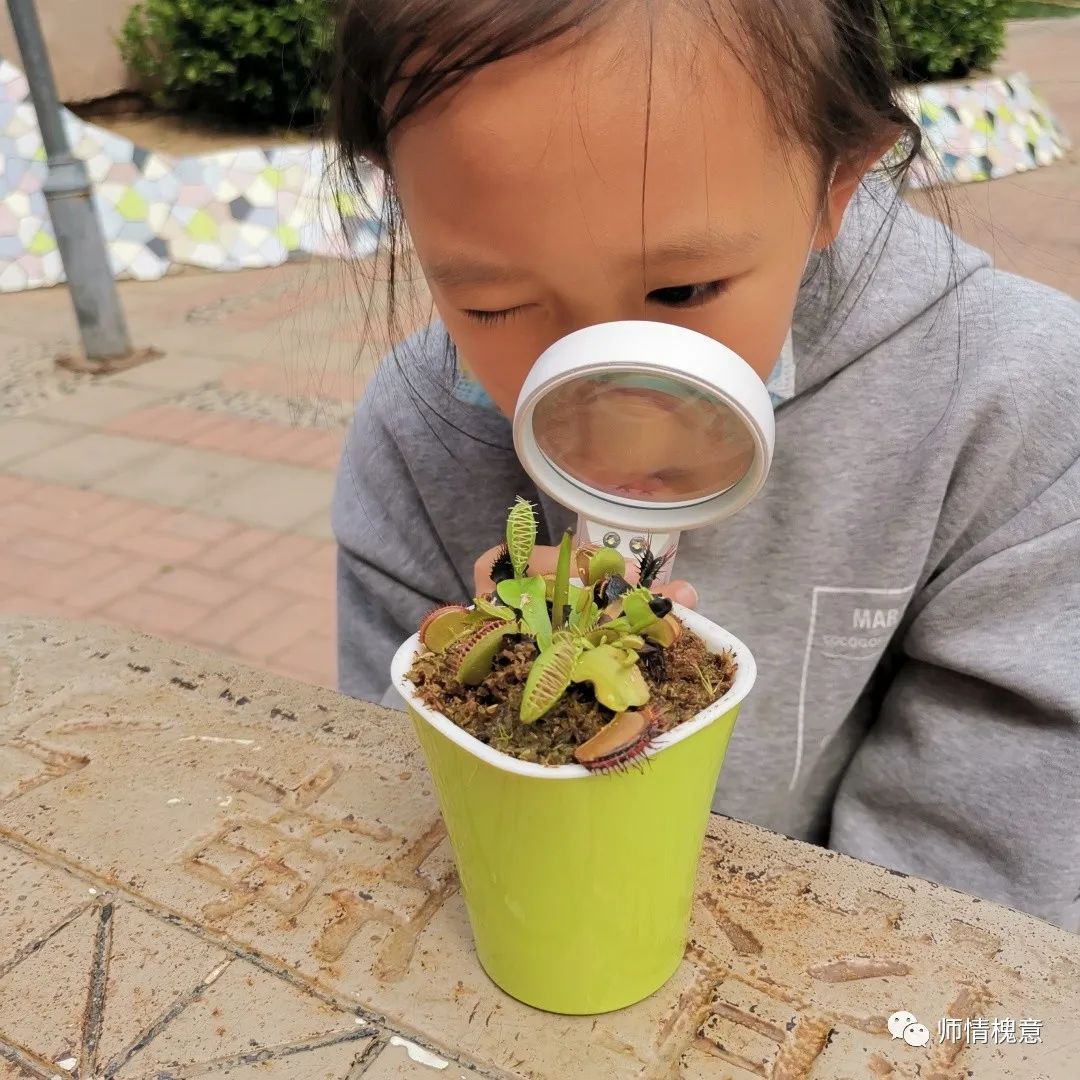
x: 983, y: 130
x: 223, y: 211
x: 256, y: 208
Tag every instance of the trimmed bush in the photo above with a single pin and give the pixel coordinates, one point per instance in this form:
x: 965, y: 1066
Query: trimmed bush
x: 945, y: 39
x: 260, y: 61
x: 266, y: 61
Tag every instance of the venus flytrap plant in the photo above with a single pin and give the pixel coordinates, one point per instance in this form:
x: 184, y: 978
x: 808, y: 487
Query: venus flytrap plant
x: 521, y: 535
x: 591, y: 633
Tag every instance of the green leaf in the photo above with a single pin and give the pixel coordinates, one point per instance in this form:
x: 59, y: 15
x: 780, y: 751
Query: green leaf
x: 609, y: 633
x: 606, y: 562
x: 528, y: 595
x: 615, y: 676
x: 583, y: 610
x: 521, y: 535
x: 493, y: 611
x: 478, y: 654
x: 635, y: 605
x: 549, y: 677
x: 561, y: 595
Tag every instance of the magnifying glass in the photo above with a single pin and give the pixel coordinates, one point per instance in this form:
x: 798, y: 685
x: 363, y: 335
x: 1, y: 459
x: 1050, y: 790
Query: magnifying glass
x: 644, y: 429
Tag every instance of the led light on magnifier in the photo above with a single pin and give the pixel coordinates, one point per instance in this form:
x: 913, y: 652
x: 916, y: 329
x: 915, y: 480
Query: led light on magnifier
x: 644, y: 429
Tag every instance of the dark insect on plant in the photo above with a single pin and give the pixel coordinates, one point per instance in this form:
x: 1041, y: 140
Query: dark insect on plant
x: 650, y: 565
x: 502, y: 569
x: 610, y: 589
x: 660, y: 606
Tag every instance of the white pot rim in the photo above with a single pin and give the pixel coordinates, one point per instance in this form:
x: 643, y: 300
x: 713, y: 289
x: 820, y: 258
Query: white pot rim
x: 714, y: 636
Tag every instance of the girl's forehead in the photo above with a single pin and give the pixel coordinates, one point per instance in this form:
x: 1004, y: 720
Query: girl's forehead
x: 575, y: 129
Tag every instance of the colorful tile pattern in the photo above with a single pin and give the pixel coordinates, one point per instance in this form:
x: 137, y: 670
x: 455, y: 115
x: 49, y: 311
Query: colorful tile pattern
x: 251, y: 208
x: 232, y: 210
x: 983, y: 130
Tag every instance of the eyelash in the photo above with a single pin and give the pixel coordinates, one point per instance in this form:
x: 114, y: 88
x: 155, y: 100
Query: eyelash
x: 705, y: 292
x: 489, y: 318
x: 701, y: 294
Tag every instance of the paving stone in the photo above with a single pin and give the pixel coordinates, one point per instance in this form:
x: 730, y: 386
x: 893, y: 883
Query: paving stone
x: 25, y: 765
x: 15, y: 487
x: 301, y: 829
x: 170, y: 372
x: 272, y: 496
x: 318, y: 526
x: 23, y: 436
x: 151, y: 966
x: 98, y: 404
x: 156, y: 613
x: 86, y: 459
x: 177, y: 476
x: 35, y: 899
x: 42, y: 999
x: 402, y: 1059
x: 279, y: 555
x: 110, y: 585
x: 236, y: 618
x: 312, y: 659
x: 198, y: 585
x: 243, y: 1011
x: 198, y: 527
x: 334, y: 1061
x: 289, y: 627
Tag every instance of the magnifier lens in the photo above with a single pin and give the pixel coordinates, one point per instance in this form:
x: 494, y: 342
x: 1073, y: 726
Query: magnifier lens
x: 642, y: 438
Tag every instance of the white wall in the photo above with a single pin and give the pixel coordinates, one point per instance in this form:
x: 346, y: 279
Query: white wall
x: 81, y: 35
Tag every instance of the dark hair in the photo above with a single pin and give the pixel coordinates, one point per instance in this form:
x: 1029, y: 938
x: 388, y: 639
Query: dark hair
x: 821, y: 64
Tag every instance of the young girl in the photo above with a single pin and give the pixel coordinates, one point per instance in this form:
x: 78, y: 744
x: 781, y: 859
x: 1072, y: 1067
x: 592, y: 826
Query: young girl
x: 909, y: 580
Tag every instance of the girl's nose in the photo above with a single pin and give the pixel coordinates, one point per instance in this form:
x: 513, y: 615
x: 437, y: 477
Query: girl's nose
x: 600, y: 296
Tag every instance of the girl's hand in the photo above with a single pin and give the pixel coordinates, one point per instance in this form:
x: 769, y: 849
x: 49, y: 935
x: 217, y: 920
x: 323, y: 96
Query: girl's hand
x: 544, y: 561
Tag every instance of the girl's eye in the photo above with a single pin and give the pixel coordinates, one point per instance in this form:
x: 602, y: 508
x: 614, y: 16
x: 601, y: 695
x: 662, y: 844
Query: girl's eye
x: 676, y: 296
x: 489, y: 318
x: 682, y: 296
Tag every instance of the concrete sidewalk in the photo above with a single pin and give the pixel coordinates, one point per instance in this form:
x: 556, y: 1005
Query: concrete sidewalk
x: 189, y: 497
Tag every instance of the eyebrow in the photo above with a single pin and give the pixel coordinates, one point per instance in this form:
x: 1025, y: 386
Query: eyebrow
x: 711, y: 242
x: 456, y: 271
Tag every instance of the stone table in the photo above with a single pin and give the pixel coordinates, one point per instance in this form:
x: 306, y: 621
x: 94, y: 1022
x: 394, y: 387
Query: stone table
x: 207, y: 870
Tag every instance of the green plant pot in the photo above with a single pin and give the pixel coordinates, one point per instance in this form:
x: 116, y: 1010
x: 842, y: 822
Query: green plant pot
x: 579, y: 886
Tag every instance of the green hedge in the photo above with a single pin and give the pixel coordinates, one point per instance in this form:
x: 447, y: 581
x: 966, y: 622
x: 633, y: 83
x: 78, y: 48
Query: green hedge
x: 265, y: 61
x: 942, y: 39
x: 261, y: 61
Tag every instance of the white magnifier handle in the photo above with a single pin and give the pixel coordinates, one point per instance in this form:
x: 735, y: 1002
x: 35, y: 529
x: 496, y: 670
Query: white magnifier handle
x: 631, y: 544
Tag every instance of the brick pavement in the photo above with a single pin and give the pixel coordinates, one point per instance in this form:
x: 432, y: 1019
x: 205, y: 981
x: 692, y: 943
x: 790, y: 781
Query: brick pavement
x: 188, y: 497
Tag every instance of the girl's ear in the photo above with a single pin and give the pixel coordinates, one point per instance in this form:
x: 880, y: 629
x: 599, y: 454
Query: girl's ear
x: 846, y: 176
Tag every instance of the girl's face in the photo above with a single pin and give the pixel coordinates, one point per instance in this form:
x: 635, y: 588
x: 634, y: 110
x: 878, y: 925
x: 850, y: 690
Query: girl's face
x: 552, y: 190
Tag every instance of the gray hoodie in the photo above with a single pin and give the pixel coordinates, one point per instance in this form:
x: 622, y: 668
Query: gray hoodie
x: 908, y: 581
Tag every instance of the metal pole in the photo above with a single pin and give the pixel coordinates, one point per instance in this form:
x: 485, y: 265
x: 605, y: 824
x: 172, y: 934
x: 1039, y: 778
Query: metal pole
x: 67, y: 192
